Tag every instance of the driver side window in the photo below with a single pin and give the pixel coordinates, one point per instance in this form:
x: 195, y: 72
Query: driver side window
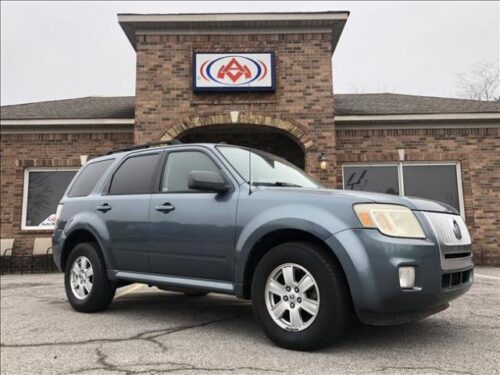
x: 178, y: 167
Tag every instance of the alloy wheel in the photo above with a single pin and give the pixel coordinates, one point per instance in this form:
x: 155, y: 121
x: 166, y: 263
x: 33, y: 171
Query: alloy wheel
x: 292, y: 297
x: 82, y: 277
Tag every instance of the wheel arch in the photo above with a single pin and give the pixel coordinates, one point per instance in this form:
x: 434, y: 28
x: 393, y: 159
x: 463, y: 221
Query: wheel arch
x: 271, y: 239
x: 76, y: 237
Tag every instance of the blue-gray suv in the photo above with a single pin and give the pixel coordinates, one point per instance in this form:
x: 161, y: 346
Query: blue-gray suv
x: 199, y: 218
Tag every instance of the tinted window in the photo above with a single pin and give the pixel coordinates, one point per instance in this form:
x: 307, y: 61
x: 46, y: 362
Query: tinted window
x: 380, y: 179
x: 437, y: 182
x: 45, y: 190
x: 178, y: 167
x: 86, y: 180
x: 135, y: 175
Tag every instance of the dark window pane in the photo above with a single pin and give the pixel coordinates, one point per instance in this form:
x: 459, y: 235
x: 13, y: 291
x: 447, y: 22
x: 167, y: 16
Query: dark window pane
x: 437, y: 182
x: 86, y: 181
x: 45, y: 190
x: 180, y: 165
x: 380, y: 179
x: 135, y: 175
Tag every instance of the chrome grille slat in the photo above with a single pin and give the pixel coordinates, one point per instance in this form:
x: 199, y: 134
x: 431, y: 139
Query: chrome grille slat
x: 442, y: 225
x: 443, y: 228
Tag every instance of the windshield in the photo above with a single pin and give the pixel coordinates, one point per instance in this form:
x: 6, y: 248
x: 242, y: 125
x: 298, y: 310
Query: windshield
x: 267, y: 169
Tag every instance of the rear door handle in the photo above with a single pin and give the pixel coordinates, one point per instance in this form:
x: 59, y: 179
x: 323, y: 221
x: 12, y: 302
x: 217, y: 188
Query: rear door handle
x: 103, y: 207
x: 165, y: 207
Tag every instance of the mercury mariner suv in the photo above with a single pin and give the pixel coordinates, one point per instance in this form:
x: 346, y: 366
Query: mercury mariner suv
x: 192, y: 218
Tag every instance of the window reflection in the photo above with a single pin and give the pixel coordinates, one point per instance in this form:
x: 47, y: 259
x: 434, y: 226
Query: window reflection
x: 380, y: 179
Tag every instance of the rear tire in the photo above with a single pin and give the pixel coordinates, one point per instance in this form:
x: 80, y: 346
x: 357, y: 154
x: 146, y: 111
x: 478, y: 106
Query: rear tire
x: 88, y: 288
x: 324, y: 298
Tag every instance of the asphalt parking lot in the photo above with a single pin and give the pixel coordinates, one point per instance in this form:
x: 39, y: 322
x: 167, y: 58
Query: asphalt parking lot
x: 148, y: 331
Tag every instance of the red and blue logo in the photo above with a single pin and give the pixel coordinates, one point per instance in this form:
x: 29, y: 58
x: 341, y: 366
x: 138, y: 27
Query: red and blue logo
x: 231, y: 71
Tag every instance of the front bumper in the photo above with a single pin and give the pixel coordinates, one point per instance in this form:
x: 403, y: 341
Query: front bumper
x: 371, y: 261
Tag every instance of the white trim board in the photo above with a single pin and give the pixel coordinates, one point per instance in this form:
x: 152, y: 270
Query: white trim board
x: 55, y: 122
x: 419, y: 117
x: 399, y: 126
x: 67, y: 126
x: 72, y: 129
x: 232, y: 17
x: 361, y: 122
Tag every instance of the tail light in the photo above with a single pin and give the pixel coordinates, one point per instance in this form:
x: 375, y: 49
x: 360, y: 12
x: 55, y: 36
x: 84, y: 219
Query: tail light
x: 58, y: 214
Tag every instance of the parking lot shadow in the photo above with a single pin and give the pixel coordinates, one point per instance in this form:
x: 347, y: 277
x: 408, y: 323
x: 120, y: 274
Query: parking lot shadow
x: 239, y: 321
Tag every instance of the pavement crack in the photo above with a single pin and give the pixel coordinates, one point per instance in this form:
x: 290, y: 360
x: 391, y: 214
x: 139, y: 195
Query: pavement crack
x: 190, y: 367
x: 105, y: 365
x: 150, y: 336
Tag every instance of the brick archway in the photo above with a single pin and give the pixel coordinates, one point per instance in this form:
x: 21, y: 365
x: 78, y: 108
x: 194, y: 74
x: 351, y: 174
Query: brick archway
x: 291, y: 127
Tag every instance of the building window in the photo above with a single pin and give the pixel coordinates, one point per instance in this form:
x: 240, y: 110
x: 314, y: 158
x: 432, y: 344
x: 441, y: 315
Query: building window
x: 377, y: 178
x: 436, y: 181
x: 43, y: 189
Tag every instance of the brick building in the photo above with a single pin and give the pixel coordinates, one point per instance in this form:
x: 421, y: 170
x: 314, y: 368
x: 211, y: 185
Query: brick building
x: 438, y: 148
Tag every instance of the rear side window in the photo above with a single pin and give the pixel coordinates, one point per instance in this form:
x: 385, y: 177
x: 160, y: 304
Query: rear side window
x: 86, y: 181
x: 135, y: 175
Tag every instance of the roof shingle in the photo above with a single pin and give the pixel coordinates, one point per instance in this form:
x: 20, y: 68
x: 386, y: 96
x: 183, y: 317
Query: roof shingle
x: 92, y: 107
x: 398, y: 104
x: 123, y: 107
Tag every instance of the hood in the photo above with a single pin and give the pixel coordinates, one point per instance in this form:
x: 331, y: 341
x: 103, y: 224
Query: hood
x: 413, y: 203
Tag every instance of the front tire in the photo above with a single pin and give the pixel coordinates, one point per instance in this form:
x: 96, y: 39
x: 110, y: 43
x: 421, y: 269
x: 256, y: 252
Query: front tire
x: 300, y: 297
x: 88, y: 288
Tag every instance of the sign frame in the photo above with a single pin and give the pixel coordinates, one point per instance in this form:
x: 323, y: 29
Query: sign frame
x: 246, y: 89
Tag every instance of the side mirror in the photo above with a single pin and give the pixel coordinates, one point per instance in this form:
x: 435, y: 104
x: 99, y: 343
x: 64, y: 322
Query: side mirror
x: 207, y: 181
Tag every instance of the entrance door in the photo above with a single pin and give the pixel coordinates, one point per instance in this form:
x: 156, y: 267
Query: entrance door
x: 191, y: 233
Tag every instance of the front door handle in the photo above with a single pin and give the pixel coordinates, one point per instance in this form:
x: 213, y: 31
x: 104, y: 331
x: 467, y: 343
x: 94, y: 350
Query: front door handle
x: 104, y: 207
x: 165, y: 207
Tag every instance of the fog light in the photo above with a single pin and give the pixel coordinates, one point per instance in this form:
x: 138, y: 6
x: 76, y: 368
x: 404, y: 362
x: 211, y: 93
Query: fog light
x: 407, y: 277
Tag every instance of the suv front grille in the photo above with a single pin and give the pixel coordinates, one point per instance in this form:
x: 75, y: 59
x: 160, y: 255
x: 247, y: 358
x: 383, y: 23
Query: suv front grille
x: 465, y: 254
x: 443, y: 225
x: 454, y: 279
x: 453, y: 239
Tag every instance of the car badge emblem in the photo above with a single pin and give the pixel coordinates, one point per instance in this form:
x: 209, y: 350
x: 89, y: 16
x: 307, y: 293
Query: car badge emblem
x: 456, y: 230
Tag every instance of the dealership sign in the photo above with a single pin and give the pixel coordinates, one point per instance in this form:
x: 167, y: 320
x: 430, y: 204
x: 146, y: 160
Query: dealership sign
x: 233, y: 71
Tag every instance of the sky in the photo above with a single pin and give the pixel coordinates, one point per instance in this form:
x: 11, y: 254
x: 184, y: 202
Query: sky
x: 58, y: 50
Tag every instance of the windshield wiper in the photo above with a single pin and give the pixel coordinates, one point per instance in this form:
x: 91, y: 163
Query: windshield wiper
x: 276, y: 183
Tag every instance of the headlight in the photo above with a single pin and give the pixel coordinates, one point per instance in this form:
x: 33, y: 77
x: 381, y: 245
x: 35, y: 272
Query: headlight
x: 392, y: 220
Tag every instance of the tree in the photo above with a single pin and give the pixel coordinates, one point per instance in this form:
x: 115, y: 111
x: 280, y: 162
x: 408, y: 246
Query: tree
x: 480, y: 82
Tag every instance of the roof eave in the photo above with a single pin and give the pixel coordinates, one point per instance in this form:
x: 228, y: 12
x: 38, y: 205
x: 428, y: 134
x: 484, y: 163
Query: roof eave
x: 179, y: 24
x: 418, y: 117
x: 40, y: 126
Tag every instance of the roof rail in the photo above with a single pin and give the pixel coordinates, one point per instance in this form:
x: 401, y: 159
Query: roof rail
x: 146, y: 145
